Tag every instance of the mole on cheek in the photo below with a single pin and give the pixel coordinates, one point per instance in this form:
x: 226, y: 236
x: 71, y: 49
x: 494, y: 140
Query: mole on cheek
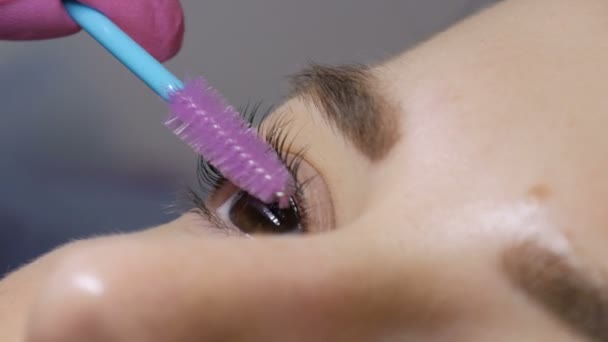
x: 540, y: 192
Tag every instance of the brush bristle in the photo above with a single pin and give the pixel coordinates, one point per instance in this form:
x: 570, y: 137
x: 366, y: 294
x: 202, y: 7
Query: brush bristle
x: 215, y: 130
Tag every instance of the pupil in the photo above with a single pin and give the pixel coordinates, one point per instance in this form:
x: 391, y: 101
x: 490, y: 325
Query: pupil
x: 253, y: 216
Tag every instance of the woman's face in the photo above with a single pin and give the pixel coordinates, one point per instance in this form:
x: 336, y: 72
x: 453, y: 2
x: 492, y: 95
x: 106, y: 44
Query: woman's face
x: 451, y: 193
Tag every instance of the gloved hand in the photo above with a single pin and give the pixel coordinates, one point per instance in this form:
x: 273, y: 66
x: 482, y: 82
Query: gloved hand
x: 157, y: 25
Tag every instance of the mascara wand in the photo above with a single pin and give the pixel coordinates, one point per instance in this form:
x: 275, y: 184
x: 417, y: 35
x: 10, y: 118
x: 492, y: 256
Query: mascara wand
x: 199, y: 115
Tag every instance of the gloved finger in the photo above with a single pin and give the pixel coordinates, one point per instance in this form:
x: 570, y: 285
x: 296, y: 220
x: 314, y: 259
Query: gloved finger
x: 157, y: 25
x: 34, y: 19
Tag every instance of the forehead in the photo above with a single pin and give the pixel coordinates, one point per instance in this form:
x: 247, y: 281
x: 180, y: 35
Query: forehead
x: 500, y: 110
x: 496, y: 112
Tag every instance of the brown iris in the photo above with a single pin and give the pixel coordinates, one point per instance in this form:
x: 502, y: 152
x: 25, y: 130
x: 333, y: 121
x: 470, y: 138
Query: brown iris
x: 253, y: 216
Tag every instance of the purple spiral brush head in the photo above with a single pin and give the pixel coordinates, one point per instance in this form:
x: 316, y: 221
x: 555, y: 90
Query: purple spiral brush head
x: 215, y: 130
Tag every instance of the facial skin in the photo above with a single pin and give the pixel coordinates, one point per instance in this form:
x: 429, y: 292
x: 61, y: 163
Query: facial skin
x: 482, y: 220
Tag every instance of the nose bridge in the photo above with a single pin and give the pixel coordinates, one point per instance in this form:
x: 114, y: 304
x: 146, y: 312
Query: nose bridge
x: 67, y: 306
x: 124, y: 289
x: 133, y: 288
x: 388, y: 192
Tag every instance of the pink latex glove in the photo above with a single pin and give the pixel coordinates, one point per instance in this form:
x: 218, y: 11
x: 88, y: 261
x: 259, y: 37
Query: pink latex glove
x: 157, y: 25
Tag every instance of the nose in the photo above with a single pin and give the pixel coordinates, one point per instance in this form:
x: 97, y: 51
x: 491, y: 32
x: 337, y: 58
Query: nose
x: 70, y: 306
x: 174, y: 287
x: 140, y: 289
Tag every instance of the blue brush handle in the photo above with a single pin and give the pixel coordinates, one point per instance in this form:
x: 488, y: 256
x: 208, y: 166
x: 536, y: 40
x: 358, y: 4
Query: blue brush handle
x: 125, y: 49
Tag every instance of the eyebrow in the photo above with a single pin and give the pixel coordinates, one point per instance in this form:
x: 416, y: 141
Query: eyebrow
x: 349, y: 100
x: 571, y: 293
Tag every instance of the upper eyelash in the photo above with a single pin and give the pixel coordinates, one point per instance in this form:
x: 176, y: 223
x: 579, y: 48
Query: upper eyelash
x: 210, y: 179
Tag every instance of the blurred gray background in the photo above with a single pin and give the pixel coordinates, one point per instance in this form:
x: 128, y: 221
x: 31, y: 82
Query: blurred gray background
x: 82, y: 148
